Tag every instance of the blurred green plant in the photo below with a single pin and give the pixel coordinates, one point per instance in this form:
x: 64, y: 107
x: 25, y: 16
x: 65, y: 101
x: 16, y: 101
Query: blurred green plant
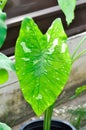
x: 3, y: 126
x: 78, y: 116
x: 5, y: 63
x: 76, y: 55
x: 68, y: 8
x: 2, y: 4
x: 79, y: 91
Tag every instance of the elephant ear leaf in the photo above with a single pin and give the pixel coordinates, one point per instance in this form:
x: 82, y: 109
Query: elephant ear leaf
x: 43, y: 63
x: 3, y: 28
x: 68, y: 7
x: 5, y: 65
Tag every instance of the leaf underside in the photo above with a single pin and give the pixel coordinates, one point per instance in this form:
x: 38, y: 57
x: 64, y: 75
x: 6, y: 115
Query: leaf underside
x: 68, y: 7
x: 5, y: 65
x: 43, y: 63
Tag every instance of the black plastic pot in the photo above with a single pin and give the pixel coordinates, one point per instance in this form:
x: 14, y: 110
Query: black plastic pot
x: 55, y: 125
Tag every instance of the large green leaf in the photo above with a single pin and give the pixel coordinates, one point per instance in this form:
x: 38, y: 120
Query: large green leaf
x: 4, y: 126
x: 68, y: 7
x: 3, y: 28
x: 5, y: 65
x: 43, y: 63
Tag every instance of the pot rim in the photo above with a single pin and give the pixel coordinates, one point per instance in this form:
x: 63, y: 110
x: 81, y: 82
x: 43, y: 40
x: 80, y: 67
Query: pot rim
x: 53, y: 120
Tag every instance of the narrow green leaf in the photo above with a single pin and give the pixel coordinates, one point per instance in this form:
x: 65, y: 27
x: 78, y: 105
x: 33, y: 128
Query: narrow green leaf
x: 78, y: 91
x: 68, y: 7
x: 82, y: 41
x: 3, y: 28
x: 78, y: 55
x: 5, y: 65
x: 4, y: 126
x: 43, y: 63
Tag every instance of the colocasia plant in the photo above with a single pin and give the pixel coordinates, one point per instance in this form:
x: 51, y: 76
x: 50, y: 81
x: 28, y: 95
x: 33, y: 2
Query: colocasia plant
x: 43, y: 63
x: 46, y: 65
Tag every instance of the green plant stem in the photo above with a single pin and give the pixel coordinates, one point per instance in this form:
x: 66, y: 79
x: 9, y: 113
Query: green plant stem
x: 78, y: 56
x: 80, y: 43
x: 47, y: 117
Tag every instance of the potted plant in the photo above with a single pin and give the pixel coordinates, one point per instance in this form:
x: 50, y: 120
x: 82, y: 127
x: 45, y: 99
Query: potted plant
x: 38, y: 61
x: 43, y: 64
x: 38, y: 53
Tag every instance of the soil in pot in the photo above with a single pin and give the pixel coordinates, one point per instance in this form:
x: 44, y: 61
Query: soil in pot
x: 55, y: 125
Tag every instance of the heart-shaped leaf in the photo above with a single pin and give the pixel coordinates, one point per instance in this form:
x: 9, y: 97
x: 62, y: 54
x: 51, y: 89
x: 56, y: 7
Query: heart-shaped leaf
x: 5, y: 65
x: 68, y: 7
x: 3, y: 28
x: 43, y: 63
